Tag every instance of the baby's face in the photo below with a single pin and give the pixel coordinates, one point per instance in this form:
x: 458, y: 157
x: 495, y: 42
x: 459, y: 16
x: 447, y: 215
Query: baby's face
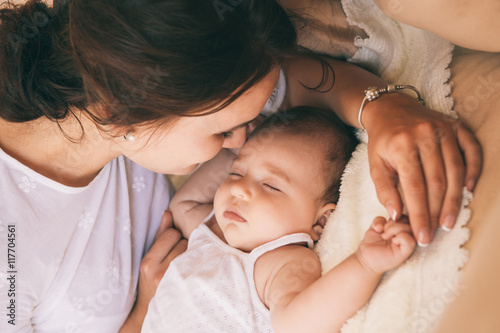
x: 273, y: 189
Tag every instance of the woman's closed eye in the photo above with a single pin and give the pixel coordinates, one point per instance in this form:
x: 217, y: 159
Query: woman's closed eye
x: 227, y: 135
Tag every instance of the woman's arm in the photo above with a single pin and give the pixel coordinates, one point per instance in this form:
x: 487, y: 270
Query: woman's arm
x: 194, y: 199
x: 409, y: 143
x: 476, y: 77
x: 471, y: 24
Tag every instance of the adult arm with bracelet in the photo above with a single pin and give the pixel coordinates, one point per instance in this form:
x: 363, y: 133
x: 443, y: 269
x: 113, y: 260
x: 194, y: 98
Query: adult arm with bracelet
x: 431, y: 156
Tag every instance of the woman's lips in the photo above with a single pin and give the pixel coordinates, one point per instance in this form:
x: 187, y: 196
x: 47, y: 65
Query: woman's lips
x: 232, y: 215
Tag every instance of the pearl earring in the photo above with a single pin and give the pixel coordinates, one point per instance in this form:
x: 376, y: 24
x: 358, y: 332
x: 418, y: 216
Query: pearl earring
x: 129, y: 137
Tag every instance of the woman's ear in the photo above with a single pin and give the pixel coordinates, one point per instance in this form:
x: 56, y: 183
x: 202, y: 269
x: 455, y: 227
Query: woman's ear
x: 321, y: 219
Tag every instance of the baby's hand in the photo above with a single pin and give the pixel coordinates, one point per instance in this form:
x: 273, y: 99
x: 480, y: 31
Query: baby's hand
x: 386, y: 245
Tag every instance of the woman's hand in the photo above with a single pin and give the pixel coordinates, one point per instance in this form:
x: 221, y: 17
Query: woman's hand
x: 432, y: 156
x: 429, y: 154
x: 168, y: 245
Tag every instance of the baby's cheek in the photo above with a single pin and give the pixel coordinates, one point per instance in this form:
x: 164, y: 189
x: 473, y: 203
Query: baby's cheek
x: 220, y: 198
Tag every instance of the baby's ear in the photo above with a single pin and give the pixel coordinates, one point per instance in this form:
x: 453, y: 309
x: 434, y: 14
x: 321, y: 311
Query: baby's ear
x: 324, y: 214
x: 322, y: 218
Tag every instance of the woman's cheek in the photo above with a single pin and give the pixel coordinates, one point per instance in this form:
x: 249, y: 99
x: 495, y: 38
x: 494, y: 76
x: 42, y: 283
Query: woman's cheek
x: 204, y: 151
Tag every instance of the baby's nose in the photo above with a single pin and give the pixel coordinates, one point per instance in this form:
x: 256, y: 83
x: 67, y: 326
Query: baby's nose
x: 239, y: 190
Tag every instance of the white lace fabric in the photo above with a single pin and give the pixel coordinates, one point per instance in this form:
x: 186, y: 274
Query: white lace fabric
x: 411, y: 297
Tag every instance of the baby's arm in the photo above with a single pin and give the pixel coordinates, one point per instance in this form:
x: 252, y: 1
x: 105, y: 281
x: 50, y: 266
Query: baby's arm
x: 301, y: 300
x: 194, y: 199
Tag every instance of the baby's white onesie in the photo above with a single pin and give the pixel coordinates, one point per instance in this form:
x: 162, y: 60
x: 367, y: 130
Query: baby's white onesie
x: 211, y: 288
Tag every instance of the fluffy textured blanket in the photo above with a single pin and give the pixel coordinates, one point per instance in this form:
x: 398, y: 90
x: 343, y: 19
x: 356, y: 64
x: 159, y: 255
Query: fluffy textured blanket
x: 411, y: 297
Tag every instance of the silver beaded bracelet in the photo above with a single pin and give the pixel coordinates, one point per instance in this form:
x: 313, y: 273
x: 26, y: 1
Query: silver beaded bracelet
x: 372, y: 93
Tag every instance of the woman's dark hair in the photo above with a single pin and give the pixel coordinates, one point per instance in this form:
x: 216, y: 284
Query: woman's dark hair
x: 37, y: 73
x: 141, y: 60
x: 324, y: 127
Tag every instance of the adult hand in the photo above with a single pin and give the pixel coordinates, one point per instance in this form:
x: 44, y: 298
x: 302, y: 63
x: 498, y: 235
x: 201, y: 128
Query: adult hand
x: 168, y: 245
x: 429, y: 154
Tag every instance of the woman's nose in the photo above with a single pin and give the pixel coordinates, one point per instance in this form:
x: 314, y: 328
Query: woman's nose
x: 240, y: 190
x: 237, y: 139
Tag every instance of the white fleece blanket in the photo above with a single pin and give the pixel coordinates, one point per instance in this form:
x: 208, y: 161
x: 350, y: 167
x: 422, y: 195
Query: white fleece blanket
x: 411, y: 297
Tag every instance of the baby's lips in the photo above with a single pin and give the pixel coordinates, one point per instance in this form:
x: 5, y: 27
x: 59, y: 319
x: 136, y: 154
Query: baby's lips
x: 232, y: 214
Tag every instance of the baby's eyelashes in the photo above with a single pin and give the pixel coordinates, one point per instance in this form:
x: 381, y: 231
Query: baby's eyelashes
x: 272, y: 188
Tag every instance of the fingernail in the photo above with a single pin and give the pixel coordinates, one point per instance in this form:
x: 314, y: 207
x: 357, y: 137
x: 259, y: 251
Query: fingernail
x: 470, y: 184
x: 449, y: 222
x: 391, y: 211
x: 424, y: 238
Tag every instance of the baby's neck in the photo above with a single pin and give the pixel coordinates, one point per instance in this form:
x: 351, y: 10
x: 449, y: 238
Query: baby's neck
x: 214, y: 226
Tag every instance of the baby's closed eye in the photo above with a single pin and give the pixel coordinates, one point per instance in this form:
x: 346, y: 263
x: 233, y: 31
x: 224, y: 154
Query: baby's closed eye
x: 271, y: 188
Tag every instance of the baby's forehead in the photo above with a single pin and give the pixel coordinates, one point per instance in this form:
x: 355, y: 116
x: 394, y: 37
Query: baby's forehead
x: 269, y: 136
x: 303, y: 147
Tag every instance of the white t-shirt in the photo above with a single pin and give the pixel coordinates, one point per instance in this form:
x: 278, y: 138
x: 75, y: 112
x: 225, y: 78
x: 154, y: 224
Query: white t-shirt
x: 77, y: 250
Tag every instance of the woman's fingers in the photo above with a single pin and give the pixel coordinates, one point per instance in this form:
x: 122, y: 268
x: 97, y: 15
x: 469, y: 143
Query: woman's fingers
x: 167, y: 222
x: 157, y: 259
x: 177, y: 250
x: 168, y: 245
x: 431, y: 156
x: 392, y: 228
x: 455, y: 174
x: 414, y: 189
x: 463, y: 149
x: 472, y: 155
x: 162, y: 246
x: 433, y: 168
x: 385, y: 180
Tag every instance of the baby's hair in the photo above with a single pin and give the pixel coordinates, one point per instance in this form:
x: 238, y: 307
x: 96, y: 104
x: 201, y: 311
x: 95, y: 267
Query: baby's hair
x: 324, y: 127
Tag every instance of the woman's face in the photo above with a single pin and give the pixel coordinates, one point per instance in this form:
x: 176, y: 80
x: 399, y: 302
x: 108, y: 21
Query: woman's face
x: 178, y: 149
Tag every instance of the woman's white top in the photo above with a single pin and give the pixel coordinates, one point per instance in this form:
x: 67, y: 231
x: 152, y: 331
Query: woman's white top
x: 211, y: 288
x: 69, y: 256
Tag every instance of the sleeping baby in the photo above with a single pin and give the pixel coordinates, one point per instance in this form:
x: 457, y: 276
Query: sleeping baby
x: 249, y: 266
